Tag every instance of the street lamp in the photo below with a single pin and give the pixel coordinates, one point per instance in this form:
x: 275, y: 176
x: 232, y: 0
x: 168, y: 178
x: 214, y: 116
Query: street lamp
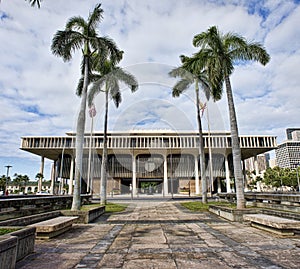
x: 7, y: 173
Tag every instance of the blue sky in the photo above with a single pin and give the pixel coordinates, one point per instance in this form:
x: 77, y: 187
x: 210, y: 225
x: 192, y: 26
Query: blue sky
x: 37, y: 89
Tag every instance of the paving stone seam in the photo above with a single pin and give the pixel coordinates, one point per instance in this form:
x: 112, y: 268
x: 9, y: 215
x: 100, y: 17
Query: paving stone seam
x: 92, y: 259
x: 250, y: 256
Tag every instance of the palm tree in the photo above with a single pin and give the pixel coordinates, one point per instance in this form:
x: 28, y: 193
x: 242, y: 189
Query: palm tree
x: 81, y: 34
x: 35, y: 2
x: 107, y: 80
x: 220, y: 52
x: 39, y: 177
x: 18, y: 180
x: 189, y: 76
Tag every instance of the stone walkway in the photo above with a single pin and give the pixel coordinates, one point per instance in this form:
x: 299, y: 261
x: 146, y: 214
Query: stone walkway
x: 162, y: 234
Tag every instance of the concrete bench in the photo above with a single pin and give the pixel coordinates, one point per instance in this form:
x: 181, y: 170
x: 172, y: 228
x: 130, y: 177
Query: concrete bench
x: 53, y: 227
x: 278, y: 225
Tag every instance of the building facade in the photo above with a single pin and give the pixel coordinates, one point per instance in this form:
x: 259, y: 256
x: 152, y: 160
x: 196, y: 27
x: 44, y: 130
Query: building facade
x: 165, y: 161
x: 288, y: 152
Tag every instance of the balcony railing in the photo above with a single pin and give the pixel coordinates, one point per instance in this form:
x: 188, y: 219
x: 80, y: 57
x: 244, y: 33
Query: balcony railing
x: 154, y: 142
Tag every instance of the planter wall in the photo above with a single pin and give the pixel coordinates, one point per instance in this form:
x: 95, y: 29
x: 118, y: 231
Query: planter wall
x: 25, y: 241
x: 231, y: 214
x: 8, y: 251
x: 85, y: 216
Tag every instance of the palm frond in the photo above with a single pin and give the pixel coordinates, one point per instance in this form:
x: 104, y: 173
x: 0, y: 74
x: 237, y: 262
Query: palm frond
x: 76, y: 24
x: 95, y: 17
x: 117, y: 98
x: 79, y: 86
x: 114, y: 90
x: 180, y: 87
x: 95, y: 89
x: 127, y: 78
x: 112, y: 49
x: 181, y: 73
x: 65, y: 42
x: 35, y: 2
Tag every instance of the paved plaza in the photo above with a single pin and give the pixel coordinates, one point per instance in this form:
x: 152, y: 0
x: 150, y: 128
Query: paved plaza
x: 162, y: 234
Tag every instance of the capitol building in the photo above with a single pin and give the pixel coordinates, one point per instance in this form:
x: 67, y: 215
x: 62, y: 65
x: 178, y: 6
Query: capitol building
x: 166, y: 160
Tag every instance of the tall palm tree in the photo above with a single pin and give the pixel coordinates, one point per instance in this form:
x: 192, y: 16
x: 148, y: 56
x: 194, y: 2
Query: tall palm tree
x: 39, y: 177
x: 108, y: 80
x: 81, y: 34
x: 189, y: 76
x: 35, y: 2
x: 220, y: 52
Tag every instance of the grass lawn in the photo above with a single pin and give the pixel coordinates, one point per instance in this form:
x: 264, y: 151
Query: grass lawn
x: 6, y: 230
x: 114, y: 208
x: 109, y: 208
x: 199, y: 206
x: 88, y: 207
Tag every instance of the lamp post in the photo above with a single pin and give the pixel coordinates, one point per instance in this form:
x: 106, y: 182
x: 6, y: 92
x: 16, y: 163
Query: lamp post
x: 7, y: 173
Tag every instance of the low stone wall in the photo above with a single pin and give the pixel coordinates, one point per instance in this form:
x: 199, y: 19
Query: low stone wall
x: 15, y: 246
x: 8, y: 251
x: 279, y: 213
x: 11, y: 208
x: 26, y: 239
x: 24, y: 221
x: 270, y: 197
x: 231, y: 214
x: 85, y: 216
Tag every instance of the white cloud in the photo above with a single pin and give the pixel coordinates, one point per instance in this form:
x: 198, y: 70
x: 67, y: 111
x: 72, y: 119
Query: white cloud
x: 37, y: 89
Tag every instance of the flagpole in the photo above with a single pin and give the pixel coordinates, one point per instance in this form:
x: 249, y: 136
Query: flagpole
x: 92, y: 113
x: 210, y: 154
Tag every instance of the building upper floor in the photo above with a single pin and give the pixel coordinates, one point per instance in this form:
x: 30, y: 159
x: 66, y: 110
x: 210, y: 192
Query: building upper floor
x: 141, y: 140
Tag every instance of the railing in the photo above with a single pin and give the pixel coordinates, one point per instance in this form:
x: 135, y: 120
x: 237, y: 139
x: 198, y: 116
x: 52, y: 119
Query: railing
x: 274, y: 198
x: 154, y: 142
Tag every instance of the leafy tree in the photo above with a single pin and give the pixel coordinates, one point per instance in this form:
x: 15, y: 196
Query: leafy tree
x: 82, y: 35
x: 194, y: 75
x: 219, y: 52
x: 18, y: 180
x: 107, y: 80
x: 3, y: 182
x: 277, y: 177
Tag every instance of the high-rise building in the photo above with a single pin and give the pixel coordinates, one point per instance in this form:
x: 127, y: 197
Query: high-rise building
x: 258, y: 164
x: 288, y: 152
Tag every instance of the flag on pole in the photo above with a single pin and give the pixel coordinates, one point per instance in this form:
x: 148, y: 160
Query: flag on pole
x: 92, y: 111
x: 202, y: 108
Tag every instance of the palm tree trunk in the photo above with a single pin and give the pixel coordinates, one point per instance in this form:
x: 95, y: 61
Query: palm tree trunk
x: 201, y: 146
x: 236, y: 150
x: 104, y: 155
x: 76, y: 203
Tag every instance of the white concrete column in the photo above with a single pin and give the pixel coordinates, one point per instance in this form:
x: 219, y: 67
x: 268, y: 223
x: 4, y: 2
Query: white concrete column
x: 227, y: 174
x: 71, y: 177
x: 256, y: 166
x: 166, y: 191
x: 42, y: 165
x: 219, y: 185
x: 41, y: 172
x: 133, y: 174
x: 53, y: 176
x: 197, y: 181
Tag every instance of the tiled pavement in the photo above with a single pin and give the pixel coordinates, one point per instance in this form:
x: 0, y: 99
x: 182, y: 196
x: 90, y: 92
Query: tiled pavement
x: 161, y: 234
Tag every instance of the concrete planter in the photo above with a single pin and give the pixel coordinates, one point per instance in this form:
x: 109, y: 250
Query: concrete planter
x: 231, y: 214
x: 8, y: 251
x: 25, y: 241
x: 85, y: 216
